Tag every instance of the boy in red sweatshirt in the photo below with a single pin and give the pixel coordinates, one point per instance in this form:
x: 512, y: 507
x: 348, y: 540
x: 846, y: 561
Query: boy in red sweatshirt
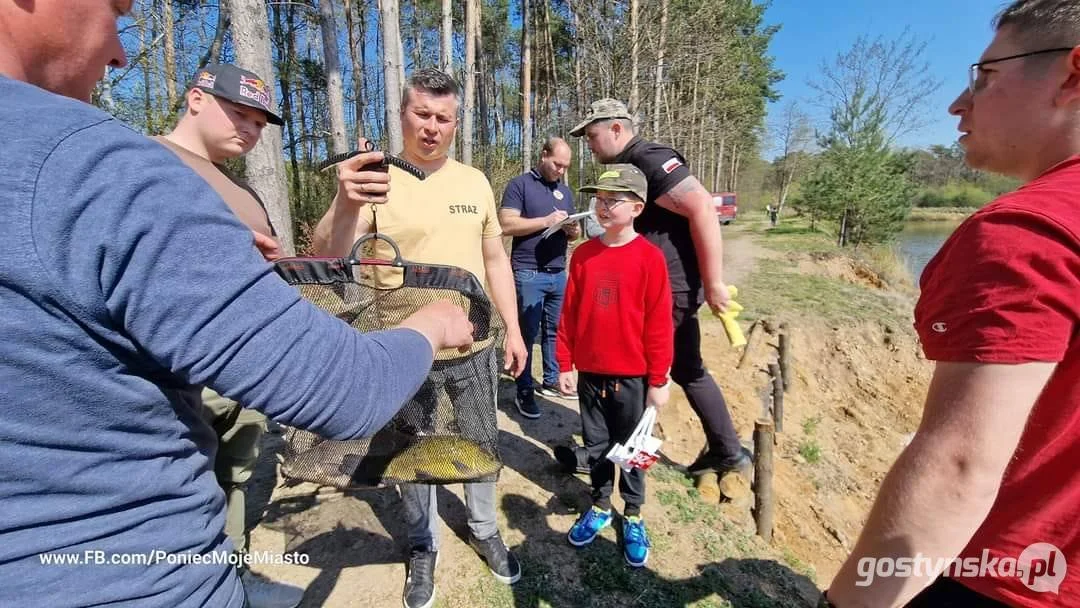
x: 616, y: 329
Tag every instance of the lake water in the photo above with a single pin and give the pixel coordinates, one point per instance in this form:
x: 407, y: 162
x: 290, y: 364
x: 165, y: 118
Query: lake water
x: 920, y: 241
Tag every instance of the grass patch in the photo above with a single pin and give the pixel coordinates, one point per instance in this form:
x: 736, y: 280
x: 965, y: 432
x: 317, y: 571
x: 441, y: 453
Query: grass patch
x: 774, y: 289
x: 810, y: 451
x: 666, y: 474
x: 940, y: 214
x: 809, y: 426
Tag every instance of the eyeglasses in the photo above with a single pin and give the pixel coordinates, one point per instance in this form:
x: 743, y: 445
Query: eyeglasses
x: 975, y: 83
x: 609, y: 203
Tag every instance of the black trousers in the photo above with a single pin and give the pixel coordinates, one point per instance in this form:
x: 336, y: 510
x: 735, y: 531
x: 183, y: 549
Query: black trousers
x: 611, y: 407
x: 688, y: 371
x: 947, y: 593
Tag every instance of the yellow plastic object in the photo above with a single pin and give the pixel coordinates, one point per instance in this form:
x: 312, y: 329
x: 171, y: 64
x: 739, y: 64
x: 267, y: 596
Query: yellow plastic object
x: 731, y: 326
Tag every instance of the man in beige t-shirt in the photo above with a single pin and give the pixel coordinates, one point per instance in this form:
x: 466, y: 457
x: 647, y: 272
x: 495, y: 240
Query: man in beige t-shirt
x: 448, y: 218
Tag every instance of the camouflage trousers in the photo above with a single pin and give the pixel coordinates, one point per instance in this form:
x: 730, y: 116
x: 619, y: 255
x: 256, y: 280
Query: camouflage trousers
x: 239, y: 431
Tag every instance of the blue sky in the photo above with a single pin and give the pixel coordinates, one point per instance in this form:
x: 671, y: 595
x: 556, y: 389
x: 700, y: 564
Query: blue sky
x: 956, y: 32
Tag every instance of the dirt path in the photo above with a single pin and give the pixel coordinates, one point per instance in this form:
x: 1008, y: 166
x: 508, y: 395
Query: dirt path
x: 356, y: 542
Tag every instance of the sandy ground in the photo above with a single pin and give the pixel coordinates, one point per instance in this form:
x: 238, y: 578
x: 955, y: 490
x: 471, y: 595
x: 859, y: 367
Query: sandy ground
x: 853, y: 403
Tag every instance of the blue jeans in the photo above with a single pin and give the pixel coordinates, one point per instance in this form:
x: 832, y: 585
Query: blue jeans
x: 539, y: 300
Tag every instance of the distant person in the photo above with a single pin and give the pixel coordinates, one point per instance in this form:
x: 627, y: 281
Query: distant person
x: 533, y: 202
x: 773, y: 212
x: 990, y: 477
x: 225, y: 112
x: 679, y: 217
x: 616, y: 331
x: 447, y: 218
x: 127, y: 285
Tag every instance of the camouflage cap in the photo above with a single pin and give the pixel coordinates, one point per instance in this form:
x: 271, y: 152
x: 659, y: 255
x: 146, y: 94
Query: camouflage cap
x: 602, y: 109
x: 620, y: 178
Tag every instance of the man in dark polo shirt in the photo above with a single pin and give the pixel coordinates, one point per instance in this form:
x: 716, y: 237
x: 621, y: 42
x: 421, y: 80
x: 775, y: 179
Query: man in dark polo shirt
x: 533, y: 202
x: 678, y: 218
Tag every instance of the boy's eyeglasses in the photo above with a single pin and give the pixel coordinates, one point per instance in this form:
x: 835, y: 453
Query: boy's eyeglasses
x: 610, y: 203
x: 975, y: 83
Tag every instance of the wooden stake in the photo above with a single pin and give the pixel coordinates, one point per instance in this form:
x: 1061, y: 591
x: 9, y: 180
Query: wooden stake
x: 785, y: 361
x: 749, y: 343
x: 778, y: 396
x: 763, y: 469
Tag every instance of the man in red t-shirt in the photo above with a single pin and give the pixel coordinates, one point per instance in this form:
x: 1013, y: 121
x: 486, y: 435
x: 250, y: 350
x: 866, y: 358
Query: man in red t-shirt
x: 616, y: 329
x: 983, y: 507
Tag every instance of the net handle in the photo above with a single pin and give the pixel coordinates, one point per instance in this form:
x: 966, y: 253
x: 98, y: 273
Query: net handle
x: 396, y: 262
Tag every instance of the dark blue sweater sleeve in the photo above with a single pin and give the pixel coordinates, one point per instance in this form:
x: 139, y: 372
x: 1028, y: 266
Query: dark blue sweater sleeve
x: 170, y: 277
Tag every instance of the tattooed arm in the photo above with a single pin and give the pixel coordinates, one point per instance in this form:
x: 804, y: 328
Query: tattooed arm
x: 689, y: 199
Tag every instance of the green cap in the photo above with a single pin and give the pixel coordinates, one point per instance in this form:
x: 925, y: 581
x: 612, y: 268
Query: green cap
x: 621, y: 178
x: 602, y: 109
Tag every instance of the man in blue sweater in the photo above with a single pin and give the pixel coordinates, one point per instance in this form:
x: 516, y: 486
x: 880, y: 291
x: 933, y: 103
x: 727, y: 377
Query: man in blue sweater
x: 125, y: 283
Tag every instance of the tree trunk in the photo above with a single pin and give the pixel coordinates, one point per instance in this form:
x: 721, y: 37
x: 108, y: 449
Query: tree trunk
x: 265, y: 164
x: 335, y: 88
x: 472, y: 20
x: 719, y: 164
x: 735, y: 171
x: 392, y: 76
x: 659, y: 84
x: 145, y: 38
x: 526, y: 88
x: 446, y: 61
x: 701, y: 120
x: 223, y: 24
x: 784, y: 187
x: 482, y: 116
x: 635, y: 50
x: 284, y: 44
x: 105, y: 96
x: 693, y: 121
x: 579, y: 76
x: 553, y: 75
x: 168, y: 24
x: 357, y: 65
x: 418, y: 36
x: 446, y: 53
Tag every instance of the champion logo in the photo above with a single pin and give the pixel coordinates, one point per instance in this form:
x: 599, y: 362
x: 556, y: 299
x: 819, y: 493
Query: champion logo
x: 939, y: 327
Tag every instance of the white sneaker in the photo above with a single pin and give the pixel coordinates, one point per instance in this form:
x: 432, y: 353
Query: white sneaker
x: 264, y: 593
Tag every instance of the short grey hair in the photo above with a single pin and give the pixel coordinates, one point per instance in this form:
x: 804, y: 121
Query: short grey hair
x: 1049, y: 22
x: 435, y: 82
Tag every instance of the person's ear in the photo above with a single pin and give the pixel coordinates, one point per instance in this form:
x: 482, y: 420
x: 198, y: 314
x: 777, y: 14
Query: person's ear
x: 1070, y: 88
x: 196, y: 100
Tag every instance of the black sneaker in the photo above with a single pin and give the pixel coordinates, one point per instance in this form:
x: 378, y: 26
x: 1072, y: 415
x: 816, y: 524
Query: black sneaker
x: 420, y: 578
x: 553, y: 392
x: 526, y: 404
x: 709, y: 463
x: 502, y: 563
x: 572, y: 459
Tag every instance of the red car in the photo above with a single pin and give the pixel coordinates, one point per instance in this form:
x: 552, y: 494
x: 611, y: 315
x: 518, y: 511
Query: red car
x: 726, y: 206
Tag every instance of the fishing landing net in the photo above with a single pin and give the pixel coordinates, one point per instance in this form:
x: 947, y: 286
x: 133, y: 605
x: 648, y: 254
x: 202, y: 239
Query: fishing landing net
x: 447, y: 432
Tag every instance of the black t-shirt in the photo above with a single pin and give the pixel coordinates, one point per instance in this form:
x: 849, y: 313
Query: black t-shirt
x: 664, y: 168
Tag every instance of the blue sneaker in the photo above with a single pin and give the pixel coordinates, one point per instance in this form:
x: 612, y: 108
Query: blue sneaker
x: 587, y: 526
x: 635, y: 541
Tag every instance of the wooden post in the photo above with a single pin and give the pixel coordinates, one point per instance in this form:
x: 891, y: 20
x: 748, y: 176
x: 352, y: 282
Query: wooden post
x: 763, y: 469
x: 785, y: 361
x: 778, y: 396
x: 749, y: 343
